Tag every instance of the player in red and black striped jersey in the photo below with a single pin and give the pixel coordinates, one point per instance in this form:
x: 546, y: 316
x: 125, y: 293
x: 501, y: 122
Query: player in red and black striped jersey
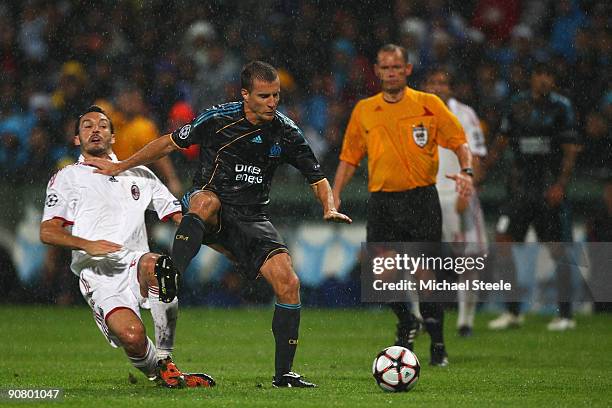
x: 242, y: 144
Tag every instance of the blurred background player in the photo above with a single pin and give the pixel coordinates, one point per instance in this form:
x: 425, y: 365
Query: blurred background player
x: 117, y: 273
x: 399, y: 130
x: 241, y: 145
x: 462, y: 218
x: 539, y: 127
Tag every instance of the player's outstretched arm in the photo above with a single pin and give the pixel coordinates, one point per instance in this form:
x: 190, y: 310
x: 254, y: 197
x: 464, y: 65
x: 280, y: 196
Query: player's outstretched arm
x: 344, y: 174
x: 52, y: 232
x: 153, y: 151
x: 323, y: 192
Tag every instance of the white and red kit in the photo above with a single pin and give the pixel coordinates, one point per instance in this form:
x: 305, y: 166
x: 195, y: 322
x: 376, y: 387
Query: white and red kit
x: 467, y: 227
x: 111, y: 208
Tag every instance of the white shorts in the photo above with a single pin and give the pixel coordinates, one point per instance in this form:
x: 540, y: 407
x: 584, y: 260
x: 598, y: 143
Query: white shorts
x: 468, y: 227
x: 110, y: 285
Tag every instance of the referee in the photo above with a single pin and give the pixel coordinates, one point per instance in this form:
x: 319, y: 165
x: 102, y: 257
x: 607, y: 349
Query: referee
x: 399, y: 130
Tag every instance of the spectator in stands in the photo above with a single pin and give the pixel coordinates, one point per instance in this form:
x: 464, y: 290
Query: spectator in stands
x: 222, y: 67
x: 138, y: 130
x: 72, y: 92
x: 568, y: 19
x: 199, y: 37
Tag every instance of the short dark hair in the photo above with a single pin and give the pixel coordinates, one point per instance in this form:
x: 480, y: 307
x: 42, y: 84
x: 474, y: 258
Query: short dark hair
x: 440, y: 69
x: 256, y: 69
x: 394, y: 48
x: 92, y: 108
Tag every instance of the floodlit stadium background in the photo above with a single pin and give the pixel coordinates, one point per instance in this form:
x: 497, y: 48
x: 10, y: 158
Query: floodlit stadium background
x: 58, y: 57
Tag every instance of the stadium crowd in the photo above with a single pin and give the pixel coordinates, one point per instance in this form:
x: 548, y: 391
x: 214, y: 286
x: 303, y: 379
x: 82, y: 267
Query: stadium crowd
x: 155, y: 64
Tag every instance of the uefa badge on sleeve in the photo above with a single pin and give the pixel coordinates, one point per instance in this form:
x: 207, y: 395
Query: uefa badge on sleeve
x: 51, y: 200
x: 184, y: 133
x: 420, y: 135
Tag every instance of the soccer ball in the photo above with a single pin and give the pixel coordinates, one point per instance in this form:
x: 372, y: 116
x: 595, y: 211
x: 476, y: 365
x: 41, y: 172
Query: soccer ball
x: 396, y: 369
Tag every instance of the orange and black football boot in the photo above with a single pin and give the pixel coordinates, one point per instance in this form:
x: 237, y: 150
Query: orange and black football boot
x: 168, y: 375
x: 194, y: 380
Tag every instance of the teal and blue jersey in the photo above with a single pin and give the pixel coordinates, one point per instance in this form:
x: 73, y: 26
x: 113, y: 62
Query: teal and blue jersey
x: 238, y: 159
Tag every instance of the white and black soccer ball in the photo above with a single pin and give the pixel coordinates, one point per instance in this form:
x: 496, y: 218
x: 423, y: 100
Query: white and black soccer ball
x: 396, y: 369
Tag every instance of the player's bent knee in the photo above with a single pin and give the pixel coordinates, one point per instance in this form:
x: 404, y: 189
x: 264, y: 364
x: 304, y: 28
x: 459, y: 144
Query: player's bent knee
x: 293, y: 283
x: 288, y: 288
x: 205, y: 205
x: 279, y: 273
x: 133, y: 339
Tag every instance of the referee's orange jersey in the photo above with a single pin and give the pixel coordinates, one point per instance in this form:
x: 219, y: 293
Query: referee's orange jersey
x: 400, y: 139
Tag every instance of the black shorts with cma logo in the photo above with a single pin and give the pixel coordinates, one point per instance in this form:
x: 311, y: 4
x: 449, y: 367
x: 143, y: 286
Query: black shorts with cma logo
x: 246, y: 232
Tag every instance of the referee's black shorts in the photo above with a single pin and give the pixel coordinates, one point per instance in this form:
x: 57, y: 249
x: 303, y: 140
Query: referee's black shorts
x: 413, y: 217
x: 407, y: 216
x: 247, y: 233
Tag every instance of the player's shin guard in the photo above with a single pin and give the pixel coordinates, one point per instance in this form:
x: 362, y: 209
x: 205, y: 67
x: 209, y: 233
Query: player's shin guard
x: 188, y: 240
x: 164, y: 319
x: 168, y: 279
x: 285, y: 326
x: 147, y: 363
x: 433, y: 317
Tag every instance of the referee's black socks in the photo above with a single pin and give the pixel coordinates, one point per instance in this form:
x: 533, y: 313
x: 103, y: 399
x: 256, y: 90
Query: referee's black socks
x: 188, y: 240
x: 403, y: 312
x: 433, y: 317
x: 285, y: 326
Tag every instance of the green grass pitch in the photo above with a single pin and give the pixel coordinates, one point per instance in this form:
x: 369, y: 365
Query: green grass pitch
x: 62, y: 347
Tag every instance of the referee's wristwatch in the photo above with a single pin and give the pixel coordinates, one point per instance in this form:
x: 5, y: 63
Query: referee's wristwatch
x: 469, y: 171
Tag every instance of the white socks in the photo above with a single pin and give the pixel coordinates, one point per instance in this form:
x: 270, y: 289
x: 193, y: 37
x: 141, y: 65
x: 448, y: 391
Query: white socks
x: 147, y: 363
x: 164, y: 319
